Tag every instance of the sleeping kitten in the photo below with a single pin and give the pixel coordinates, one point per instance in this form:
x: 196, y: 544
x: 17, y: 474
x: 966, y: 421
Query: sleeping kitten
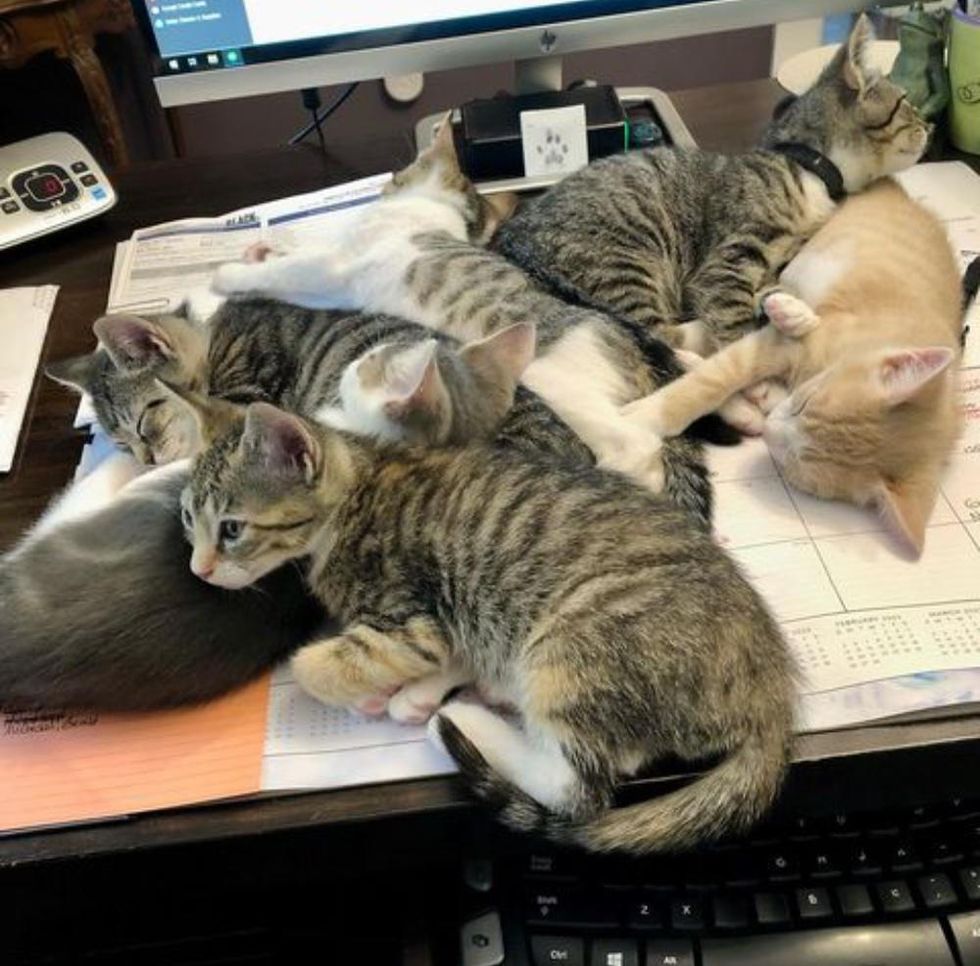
x: 258, y: 349
x: 411, y: 254
x: 616, y: 627
x: 872, y: 366
x: 99, y: 611
x: 670, y: 236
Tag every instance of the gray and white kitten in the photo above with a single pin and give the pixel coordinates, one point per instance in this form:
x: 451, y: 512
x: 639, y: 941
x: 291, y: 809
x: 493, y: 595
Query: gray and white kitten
x: 616, y: 627
x: 265, y: 350
x: 686, y: 241
x: 99, y: 611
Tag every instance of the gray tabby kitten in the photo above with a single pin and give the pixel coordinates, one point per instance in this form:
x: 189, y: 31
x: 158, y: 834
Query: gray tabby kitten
x: 99, y: 611
x: 618, y: 629
x: 669, y: 236
x: 263, y: 350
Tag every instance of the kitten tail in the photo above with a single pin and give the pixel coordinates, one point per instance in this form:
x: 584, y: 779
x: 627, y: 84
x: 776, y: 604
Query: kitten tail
x: 728, y: 799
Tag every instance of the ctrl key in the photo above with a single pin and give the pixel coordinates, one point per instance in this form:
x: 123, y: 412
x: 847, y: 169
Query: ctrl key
x: 966, y: 932
x: 557, y: 951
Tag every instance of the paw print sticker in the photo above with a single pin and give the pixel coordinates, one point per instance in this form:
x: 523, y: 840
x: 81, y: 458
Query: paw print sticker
x: 554, y: 150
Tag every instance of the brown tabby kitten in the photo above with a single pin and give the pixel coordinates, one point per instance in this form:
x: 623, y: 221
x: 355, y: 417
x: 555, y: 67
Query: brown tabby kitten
x: 668, y: 236
x: 872, y: 366
x: 620, y: 631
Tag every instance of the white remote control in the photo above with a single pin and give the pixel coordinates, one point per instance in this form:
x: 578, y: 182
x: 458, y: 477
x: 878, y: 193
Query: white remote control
x: 48, y: 183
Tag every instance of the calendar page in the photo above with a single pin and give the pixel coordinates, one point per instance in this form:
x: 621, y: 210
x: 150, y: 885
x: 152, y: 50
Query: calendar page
x: 854, y: 611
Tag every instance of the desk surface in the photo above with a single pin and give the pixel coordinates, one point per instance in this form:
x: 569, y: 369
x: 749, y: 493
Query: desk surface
x: 902, y: 759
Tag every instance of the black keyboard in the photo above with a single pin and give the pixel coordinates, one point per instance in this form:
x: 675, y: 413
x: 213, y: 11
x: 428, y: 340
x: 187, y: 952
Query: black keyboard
x: 896, y: 889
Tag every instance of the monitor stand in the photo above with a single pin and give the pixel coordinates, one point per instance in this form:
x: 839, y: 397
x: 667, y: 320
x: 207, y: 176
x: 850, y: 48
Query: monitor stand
x: 545, y: 74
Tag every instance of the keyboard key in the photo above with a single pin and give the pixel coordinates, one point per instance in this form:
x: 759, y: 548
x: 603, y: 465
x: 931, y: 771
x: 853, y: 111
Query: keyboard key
x: 645, y: 913
x: 89, y: 179
x: 937, y: 891
x: 940, y: 850
x: 731, y: 912
x: 615, y: 952
x: 924, y: 816
x: 971, y: 835
x: 569, y: 906
x: 822, y: 863
x: 895, y: 897
x: 552, y: 950
x: 552, y: 865
x: 901, y: 856
x: 782, y: 865
x: 895, y: 944
x: 864, y: 861
x: 79, y: 166
x: 855, y: 901
x: 687, y: 914
x: 814, y: 904
x: 843, y: 826
x: 970, y: 880
x: 966, y: 932
x: 481, y: 941
x: 670, y: 952
x: 771, y: 909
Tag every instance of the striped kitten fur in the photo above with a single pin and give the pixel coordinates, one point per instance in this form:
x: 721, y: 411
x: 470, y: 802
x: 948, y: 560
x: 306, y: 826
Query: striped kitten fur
x: 258, y: 349
x: 411, y: 254
x: 683, y: 241
x: 615, y: 626
x: 99, y: 611
x: 867, y: 339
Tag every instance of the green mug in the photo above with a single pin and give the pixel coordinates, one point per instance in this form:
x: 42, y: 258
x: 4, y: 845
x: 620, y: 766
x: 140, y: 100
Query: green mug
x: 964, y: 79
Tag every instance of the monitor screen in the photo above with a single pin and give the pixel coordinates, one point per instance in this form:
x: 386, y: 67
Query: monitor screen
x: 218, y: 34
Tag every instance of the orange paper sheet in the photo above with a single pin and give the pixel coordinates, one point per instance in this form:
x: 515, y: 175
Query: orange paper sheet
x: 72, y: 767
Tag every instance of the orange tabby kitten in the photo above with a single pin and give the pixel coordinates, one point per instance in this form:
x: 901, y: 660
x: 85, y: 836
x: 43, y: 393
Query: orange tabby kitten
x: 868, y: 344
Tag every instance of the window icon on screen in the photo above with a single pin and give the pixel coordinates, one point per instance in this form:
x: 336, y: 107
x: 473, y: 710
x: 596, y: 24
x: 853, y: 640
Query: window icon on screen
x: 192, y: 62
x: 173, y: 64
x: 214, y: 60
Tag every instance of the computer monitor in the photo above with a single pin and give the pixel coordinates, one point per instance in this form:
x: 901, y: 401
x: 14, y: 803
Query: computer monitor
x: 213, y: 49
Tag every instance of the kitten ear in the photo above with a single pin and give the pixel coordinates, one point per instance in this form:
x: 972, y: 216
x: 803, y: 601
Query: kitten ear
x: 510, y: 351
x: 213, y: 417
x: 281, y: 441
x: 412, y: 381
x: 497, y: 209
x: 443, y: 147
x: 855, y: 68
x: 905, y: 372
x: 906, y: 507
x: 76, y: 373
x: 133, y: 342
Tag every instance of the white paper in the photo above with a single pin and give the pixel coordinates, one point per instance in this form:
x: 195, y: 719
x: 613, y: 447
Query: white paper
x: 161, y: 264
x: 309, y: 745
x: 554, y: 140
x: 24, y: 315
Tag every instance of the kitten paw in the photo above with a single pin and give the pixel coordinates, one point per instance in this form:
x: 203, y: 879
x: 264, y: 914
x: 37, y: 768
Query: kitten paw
x: 235, y: 278
x: 767, y: 395
x: 373, y: 706
x: 200, y: 304
x: 792, y: 316
x: 744, y: 415
x: 259, y: 252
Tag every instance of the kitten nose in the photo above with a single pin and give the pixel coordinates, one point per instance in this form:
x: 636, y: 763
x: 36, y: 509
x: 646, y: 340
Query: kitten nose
x: 202, y: 566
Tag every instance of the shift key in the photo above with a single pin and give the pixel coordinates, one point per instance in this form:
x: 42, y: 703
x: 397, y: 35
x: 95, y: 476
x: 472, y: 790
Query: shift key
x: 901, y: 944
x: 966, y: 932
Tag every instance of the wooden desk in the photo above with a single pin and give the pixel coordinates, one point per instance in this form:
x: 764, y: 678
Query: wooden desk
x: 864, y: 768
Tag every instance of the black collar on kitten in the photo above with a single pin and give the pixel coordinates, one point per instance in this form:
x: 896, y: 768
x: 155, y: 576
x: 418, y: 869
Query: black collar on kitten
x: 816, y: 163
